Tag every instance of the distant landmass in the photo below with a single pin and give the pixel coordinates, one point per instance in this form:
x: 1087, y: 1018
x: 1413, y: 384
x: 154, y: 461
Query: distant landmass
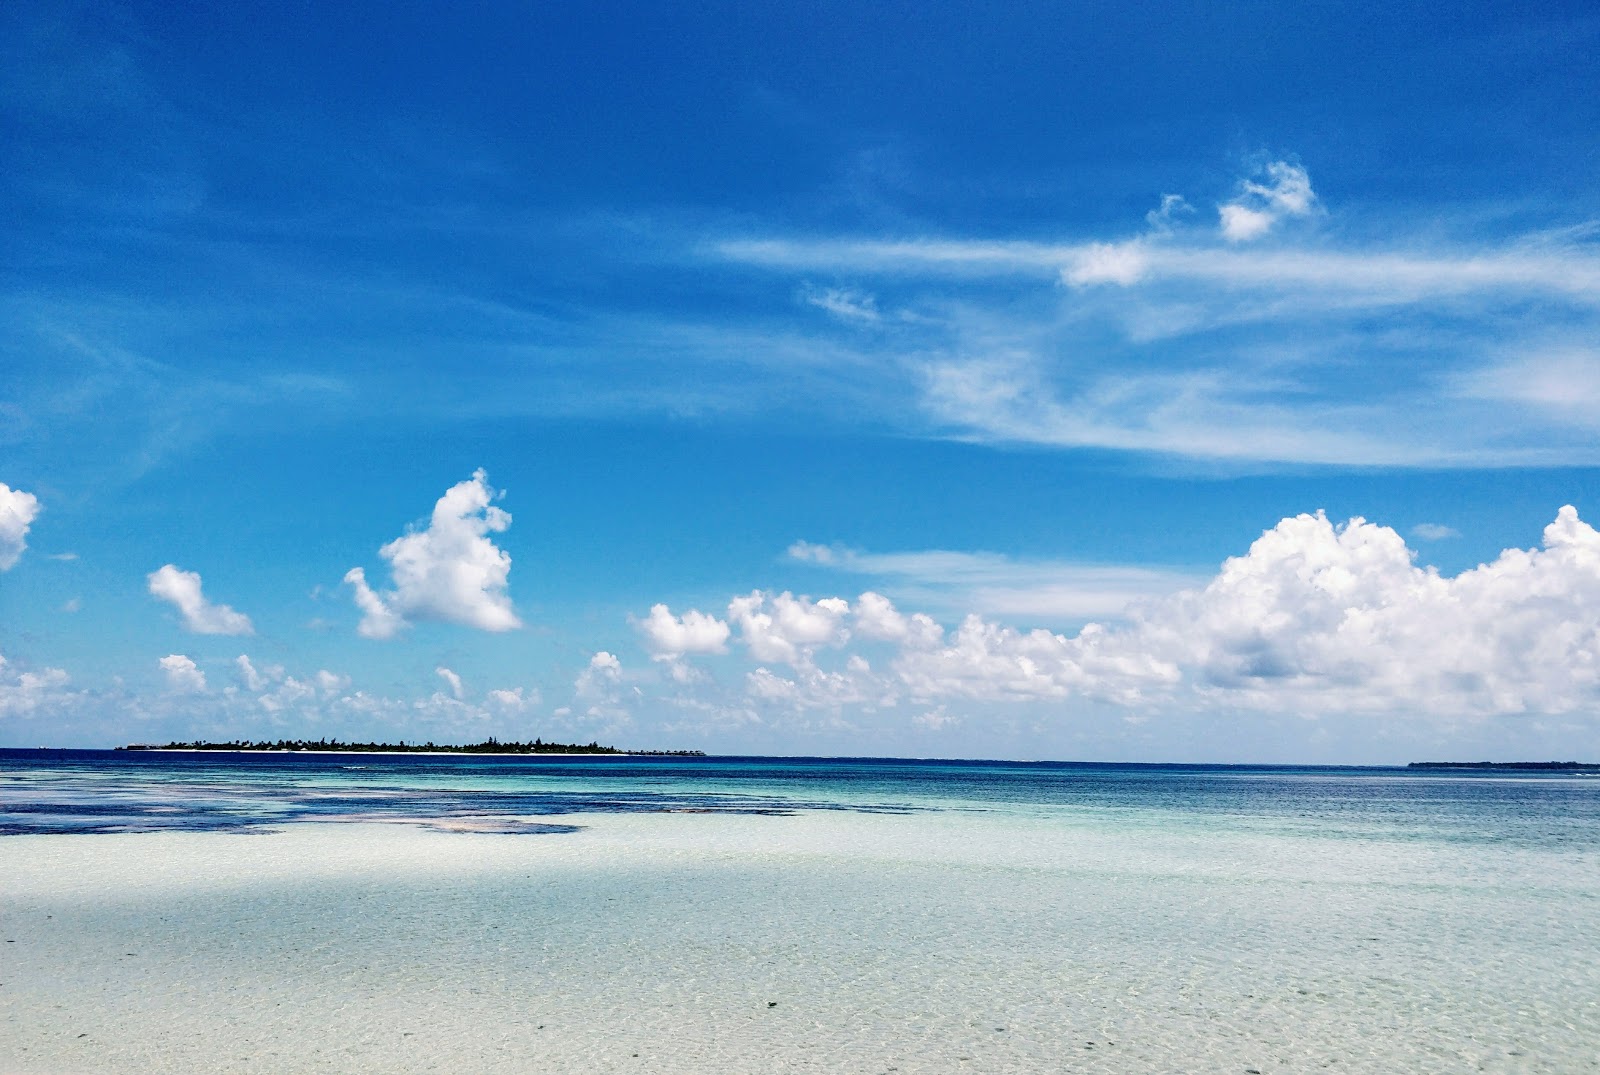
x: 488, y: 746
x: 1562, y: 765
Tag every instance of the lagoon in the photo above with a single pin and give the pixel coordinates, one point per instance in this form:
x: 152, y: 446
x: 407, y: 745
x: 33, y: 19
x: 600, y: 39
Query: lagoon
x: 255, y: 913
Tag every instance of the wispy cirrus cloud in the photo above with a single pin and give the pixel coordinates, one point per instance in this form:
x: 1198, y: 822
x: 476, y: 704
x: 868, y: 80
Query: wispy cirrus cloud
x: 1386, y: 276
x: 1263, y: 339
x: 1040, y: 591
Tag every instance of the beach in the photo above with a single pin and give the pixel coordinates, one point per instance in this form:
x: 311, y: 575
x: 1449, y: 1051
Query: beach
x: 1021, y: 939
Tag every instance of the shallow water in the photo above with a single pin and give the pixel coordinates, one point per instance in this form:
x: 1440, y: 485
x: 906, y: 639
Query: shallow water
x: 298, y: 915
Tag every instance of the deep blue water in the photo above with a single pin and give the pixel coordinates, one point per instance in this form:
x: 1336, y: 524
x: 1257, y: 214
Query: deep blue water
x: 85, y: 791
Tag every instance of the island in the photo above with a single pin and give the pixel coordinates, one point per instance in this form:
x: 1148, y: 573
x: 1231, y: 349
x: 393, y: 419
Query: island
x: 488, y: 746
x: 1557, y: 766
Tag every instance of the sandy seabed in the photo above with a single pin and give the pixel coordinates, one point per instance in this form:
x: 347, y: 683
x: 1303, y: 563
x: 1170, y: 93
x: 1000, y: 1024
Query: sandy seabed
x: 818, y: 942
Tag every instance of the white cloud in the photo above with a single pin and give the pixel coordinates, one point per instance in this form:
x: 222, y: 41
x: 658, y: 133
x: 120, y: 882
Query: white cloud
x: 788, y: 629
x: 877, y: 618
x: 1563, y: 385
x: 378, y: 620
x: 26, y: 693
x: 1340, y: 618
x: 1241, y: 223
x: 1434, y: 532
x: 935, y: 720
x: 451, y: 678
x: 667, y: 636
x: 182, y: 589
x: 1356, y: 278
x: 513, y: 699
x: 990, y: 661
x: 17, y: 512
x: 992, y: 584
x: 682, y: 672
x: 331, y: 683
x: 183, y: 675
x: 1313, y: 619
x: 1163, y: 218
x: 274, y: 691
x: 814, y: 688
x: 1368, y: 345
x: 600, y: 676
x: 248, y: 675
x: 844, y: 303
x: 1260, y: 206
x: 1107, y: 263
x: 1205, y: 414
x: 1317, y: 618
x: 599, y: 690
x: 809, y: 553
x: 450, y: 570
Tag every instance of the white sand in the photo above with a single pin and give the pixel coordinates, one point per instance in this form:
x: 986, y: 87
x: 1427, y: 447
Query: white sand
x: 656, y: 943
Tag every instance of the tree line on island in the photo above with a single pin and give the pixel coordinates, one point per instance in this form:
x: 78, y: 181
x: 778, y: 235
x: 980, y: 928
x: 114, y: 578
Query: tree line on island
x: 490, y: 745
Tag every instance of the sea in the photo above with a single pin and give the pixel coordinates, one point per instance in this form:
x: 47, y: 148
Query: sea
x: 167, y: 912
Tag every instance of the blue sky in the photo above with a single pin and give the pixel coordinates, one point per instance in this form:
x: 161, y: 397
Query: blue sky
x: 1012, y: 320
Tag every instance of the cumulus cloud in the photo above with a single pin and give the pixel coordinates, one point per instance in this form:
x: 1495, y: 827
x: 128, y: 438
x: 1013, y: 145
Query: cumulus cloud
x: 935, y: 720
x: 1341, y: 617
x: 378, y: 619
x: 810, y: 687
x: 787, y: 629
x: 513, y: 699
x: 183, y: 676
x: 1315, y: 618
x: 877, y: 618
x: 182, y: 589
x: 17, y: 512
x: 995, y: 662
x: 252, y: 679
x: 450, y: 570
x: 598, y: 694
x: 1324, y: 618
x: 272, y: 690
x: 26, y: 693
x: 1434, y: 532
x: 603, y: 673
x: 667, y: 636
x: 1259, y: 206
x: 331, y: 683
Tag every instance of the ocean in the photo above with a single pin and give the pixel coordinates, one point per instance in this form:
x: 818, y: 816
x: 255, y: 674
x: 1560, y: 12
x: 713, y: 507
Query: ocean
x: 177, y: 912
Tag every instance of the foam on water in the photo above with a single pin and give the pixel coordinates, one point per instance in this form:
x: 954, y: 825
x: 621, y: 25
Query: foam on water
x: 993, y: 933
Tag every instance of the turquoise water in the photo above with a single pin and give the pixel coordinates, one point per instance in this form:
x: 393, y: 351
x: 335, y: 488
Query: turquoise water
x: 264, y: 913
x: 108, y: 791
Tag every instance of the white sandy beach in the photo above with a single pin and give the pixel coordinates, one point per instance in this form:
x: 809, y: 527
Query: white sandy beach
x: 823, y: 942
